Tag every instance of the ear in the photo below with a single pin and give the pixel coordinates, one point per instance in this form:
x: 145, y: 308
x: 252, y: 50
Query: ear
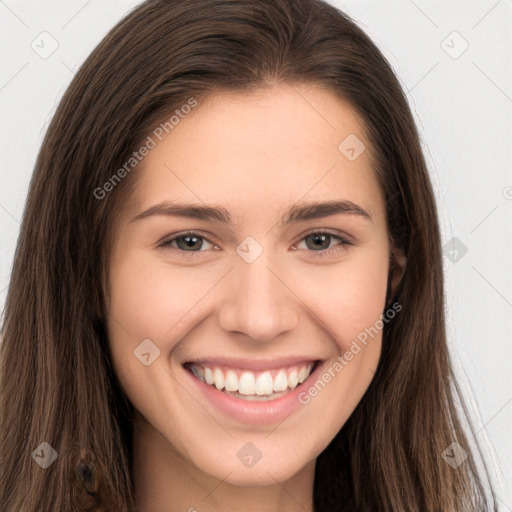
x: 397, y: 263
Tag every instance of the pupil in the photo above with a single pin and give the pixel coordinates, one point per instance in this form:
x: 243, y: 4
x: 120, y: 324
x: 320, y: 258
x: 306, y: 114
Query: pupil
x: 321, y: 238
x: 190, y: 241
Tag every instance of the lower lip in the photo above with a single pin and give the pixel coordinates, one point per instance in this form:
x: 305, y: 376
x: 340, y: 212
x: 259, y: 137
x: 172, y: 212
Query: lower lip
x: 263, y: 412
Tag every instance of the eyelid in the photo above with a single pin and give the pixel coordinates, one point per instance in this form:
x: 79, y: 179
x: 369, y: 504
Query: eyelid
x: 344, y: 239
x: 332, y: 232
x: 166, y: 242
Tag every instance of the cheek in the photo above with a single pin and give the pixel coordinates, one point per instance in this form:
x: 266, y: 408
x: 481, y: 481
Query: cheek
x: 349, y: 307
x: 348, y: 298
x: 149, y: 298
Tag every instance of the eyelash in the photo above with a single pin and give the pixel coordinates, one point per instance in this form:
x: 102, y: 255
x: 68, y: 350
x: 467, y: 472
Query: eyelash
x: 324, y: 252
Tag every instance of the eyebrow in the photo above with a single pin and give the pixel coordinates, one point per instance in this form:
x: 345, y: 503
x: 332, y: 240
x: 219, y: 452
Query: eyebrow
x: 296, y: 213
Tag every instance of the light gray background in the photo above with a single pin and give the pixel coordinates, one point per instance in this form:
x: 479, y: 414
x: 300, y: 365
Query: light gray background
x: 463, y: 105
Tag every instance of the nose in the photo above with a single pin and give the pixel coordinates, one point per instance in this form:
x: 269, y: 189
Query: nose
x: 258, y: 302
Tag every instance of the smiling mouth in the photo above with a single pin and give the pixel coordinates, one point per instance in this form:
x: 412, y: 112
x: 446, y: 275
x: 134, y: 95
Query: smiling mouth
x: 253, y: 385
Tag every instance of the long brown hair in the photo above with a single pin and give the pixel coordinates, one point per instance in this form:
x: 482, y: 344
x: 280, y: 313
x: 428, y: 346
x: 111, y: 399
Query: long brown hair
x: 57, y: 382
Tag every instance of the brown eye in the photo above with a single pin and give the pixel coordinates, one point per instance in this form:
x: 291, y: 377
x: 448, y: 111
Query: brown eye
x: 321, y: 242
x: 187, y: 242
x: 318, y: 241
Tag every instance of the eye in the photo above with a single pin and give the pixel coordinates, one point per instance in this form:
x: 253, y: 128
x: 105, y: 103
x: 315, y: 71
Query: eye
x: 320, y: 242
x: 316, y: 241
x: 187, y: 242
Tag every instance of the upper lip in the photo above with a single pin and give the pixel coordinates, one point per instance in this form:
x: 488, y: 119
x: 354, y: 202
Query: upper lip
x: 254, y: 364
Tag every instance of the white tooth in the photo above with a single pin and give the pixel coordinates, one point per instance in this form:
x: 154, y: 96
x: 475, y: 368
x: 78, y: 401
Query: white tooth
x: 280, y: 382
x: 218, y: 378
x: 264, y: 384
x: 292, y: 379
x: 200, y: 373
x: 231, y: 382
x: 247, y: 384
x: 208, y: 376
x: 303, y: 374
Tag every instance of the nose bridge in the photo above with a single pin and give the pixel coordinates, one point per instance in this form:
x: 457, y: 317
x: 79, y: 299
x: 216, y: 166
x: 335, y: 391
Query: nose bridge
x: 257, y: 302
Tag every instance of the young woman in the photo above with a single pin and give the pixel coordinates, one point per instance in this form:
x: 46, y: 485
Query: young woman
x: 227, y: 292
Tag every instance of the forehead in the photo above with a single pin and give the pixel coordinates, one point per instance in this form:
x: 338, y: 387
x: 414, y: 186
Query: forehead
x: 262, y: 149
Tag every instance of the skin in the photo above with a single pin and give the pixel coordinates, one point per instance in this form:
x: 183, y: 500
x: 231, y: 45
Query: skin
x: 255, y: 154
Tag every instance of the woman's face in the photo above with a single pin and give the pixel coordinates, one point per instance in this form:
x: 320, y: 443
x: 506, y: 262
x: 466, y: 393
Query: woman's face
x: 212, y: 334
